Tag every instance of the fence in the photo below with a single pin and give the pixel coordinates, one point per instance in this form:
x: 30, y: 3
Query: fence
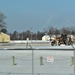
x: 4, y: 73
x: 36, y: 62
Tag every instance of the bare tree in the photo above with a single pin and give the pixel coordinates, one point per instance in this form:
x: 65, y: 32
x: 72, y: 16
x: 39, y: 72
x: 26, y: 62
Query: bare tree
x: 2, y: 21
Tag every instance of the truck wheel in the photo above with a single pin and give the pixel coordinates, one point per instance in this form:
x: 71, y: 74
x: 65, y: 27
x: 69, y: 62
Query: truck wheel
x: 52, y: 43
x: 59, y: 44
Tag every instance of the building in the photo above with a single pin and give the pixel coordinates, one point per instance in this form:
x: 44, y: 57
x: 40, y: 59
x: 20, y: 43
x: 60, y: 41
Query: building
x: 4, y: 38
x: 46, y: 38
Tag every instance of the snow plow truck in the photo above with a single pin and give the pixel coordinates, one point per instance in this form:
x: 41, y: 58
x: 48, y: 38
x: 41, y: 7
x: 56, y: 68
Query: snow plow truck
x: 63, y: 39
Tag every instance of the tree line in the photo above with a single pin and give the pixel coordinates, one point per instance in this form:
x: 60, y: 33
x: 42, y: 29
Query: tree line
x: 31, y: 35
x: 38, y: 36
x: 26, y: 34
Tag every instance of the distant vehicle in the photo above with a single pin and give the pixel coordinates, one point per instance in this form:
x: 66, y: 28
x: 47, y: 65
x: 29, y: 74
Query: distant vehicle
x: 63, y: 39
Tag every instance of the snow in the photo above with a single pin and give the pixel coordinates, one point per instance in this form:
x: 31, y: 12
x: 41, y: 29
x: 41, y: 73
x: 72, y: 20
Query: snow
x: 23, y: 61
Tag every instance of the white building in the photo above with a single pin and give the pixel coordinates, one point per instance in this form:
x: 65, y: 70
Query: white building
x: 46, y: 38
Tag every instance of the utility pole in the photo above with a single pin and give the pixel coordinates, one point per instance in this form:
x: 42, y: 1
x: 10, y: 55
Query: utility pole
x: 74, y: 61
x: 32, y: 62
x: 31, y: 34
x: 74, y: 58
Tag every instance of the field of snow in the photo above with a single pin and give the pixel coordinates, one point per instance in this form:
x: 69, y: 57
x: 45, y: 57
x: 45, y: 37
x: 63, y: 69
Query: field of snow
x: 60, y: 64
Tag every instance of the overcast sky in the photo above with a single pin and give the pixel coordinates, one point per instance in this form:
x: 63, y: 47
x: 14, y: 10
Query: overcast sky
x: 22, y: 15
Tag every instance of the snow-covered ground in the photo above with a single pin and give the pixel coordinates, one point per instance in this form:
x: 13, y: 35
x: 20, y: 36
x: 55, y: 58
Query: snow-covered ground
x: 61, y: 64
